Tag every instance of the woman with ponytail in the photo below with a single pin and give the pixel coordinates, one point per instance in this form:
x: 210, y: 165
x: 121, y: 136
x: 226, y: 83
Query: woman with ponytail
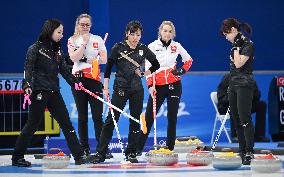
x: 44, y: 61
x: 241, y: 84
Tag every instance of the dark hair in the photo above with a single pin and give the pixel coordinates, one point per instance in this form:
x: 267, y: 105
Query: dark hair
x: 132, y: 27
x: 232, y: 22
x: 47, y: 30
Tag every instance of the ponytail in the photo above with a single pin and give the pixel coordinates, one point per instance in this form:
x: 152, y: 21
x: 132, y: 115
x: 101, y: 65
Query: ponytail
x: 246, y: 28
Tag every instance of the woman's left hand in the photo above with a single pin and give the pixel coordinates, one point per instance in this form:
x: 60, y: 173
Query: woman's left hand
x: 139, y: 72
x: 152, y: 91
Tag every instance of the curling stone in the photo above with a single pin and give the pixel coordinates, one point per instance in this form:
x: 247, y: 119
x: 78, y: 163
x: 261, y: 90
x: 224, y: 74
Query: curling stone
x: 266, y: 164
x: 227, y: 161
x: 198, y: 157
x: 161, y: 157
x: 148, y: 156
x: 187, y: 144
x: 56, y: 161
x: 51, y: 150
x: 150, y: 153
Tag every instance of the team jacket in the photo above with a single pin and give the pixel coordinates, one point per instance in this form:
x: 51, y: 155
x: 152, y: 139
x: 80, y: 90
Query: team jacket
x: 93, y: 47
x: 125, y: 77
x: 167, y: 57
x: 42, y: 67
x: 242, y: 76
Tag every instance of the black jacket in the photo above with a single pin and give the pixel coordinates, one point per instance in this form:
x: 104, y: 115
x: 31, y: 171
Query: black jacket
x: 242, y: 76
x: 125, y: 77
x: 42, y: 67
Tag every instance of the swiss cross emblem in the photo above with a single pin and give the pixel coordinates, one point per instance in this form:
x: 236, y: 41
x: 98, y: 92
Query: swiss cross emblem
x: 173, y: 49
x: 95, y: 45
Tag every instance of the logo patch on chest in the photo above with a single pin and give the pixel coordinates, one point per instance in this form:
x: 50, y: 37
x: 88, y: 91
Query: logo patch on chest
x: 141, y: 52
x: 96, y: 45
x: 173, y: 49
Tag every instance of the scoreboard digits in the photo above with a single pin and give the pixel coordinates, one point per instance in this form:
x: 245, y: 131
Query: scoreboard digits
x: 10, y: 85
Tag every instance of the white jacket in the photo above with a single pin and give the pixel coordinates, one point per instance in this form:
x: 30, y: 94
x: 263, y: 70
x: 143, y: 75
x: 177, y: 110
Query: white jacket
x: 91, y: 52
x: 167, y: 58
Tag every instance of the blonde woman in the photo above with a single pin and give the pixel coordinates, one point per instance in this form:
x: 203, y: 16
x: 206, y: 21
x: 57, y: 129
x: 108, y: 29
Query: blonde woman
x: 167, y: 81
x: 87, y: 51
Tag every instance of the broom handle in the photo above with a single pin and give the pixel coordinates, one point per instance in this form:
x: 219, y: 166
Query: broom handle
x: 220, y: 130
x: 154, y: 112
x: 109, y: 104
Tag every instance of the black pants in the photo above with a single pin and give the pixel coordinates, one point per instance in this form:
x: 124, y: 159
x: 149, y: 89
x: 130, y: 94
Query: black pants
x: 119, y: 99
x: 171, y: 92
x: 56, y: 106
x: 82, y: 99
x: 240, y: 100
x: 260, y: 118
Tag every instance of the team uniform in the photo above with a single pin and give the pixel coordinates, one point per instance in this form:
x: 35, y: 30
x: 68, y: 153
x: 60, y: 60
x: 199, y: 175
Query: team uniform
x: 127, y: 86
x: 241, y: 95
x: 42, y: 67
x: 168, y: 86
x: 83, y: 69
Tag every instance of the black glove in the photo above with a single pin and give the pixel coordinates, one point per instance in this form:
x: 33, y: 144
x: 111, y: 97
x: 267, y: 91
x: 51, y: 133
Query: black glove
x: 239, y: 41
x: 179, y: 72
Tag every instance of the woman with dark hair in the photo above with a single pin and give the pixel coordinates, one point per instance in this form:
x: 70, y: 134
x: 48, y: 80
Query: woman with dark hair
x: 127, y: 56
x: 241, y: 84
x: 43, y: 63
x: 84, y: 50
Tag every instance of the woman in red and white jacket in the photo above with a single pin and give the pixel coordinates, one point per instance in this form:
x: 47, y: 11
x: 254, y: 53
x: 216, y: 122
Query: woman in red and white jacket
x: 87, y: 51
x: 167, y: 81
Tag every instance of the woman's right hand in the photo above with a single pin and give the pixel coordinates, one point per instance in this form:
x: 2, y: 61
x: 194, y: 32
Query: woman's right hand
x: 28, y: 91
x: 152, y: 91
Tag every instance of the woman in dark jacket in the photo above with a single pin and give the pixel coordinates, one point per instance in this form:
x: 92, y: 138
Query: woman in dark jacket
x: 241, y: 84
x: 127, y: 56
x: 43, y: 63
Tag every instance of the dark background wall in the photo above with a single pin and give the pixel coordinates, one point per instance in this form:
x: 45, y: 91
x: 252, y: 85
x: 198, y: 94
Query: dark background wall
x: 197, y: 24
x: 21, y: 22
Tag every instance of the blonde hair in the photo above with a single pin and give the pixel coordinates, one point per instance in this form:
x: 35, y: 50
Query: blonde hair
x: 167, y: 23
x: 76, y: 30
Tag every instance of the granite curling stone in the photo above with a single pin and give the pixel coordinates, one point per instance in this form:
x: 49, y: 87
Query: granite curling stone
x: 227, y: 161
x: 199, y: 158
x: 56, y: 161
x: 266, y: 164
x: 187, y: 144
x: 161, y: 157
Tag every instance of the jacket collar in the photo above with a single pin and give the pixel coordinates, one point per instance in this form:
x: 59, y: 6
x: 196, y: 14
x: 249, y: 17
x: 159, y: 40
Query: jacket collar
x: 163, y: 43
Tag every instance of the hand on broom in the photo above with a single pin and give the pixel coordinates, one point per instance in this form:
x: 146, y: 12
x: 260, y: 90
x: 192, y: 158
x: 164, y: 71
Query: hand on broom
x: 27, y: 97
x: 152, y: 91
x: 78, y: 86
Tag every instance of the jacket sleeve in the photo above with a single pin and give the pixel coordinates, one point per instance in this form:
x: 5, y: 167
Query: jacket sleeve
x: 66, y: 73
x: 186, y: 58
x: 111, y: 61
x: 151, y: 57
x: 247, y: 49
x: 31, y: 57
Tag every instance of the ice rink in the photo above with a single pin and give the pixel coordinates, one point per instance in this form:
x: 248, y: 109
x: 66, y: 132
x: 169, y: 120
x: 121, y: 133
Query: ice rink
x: 113, y: 168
